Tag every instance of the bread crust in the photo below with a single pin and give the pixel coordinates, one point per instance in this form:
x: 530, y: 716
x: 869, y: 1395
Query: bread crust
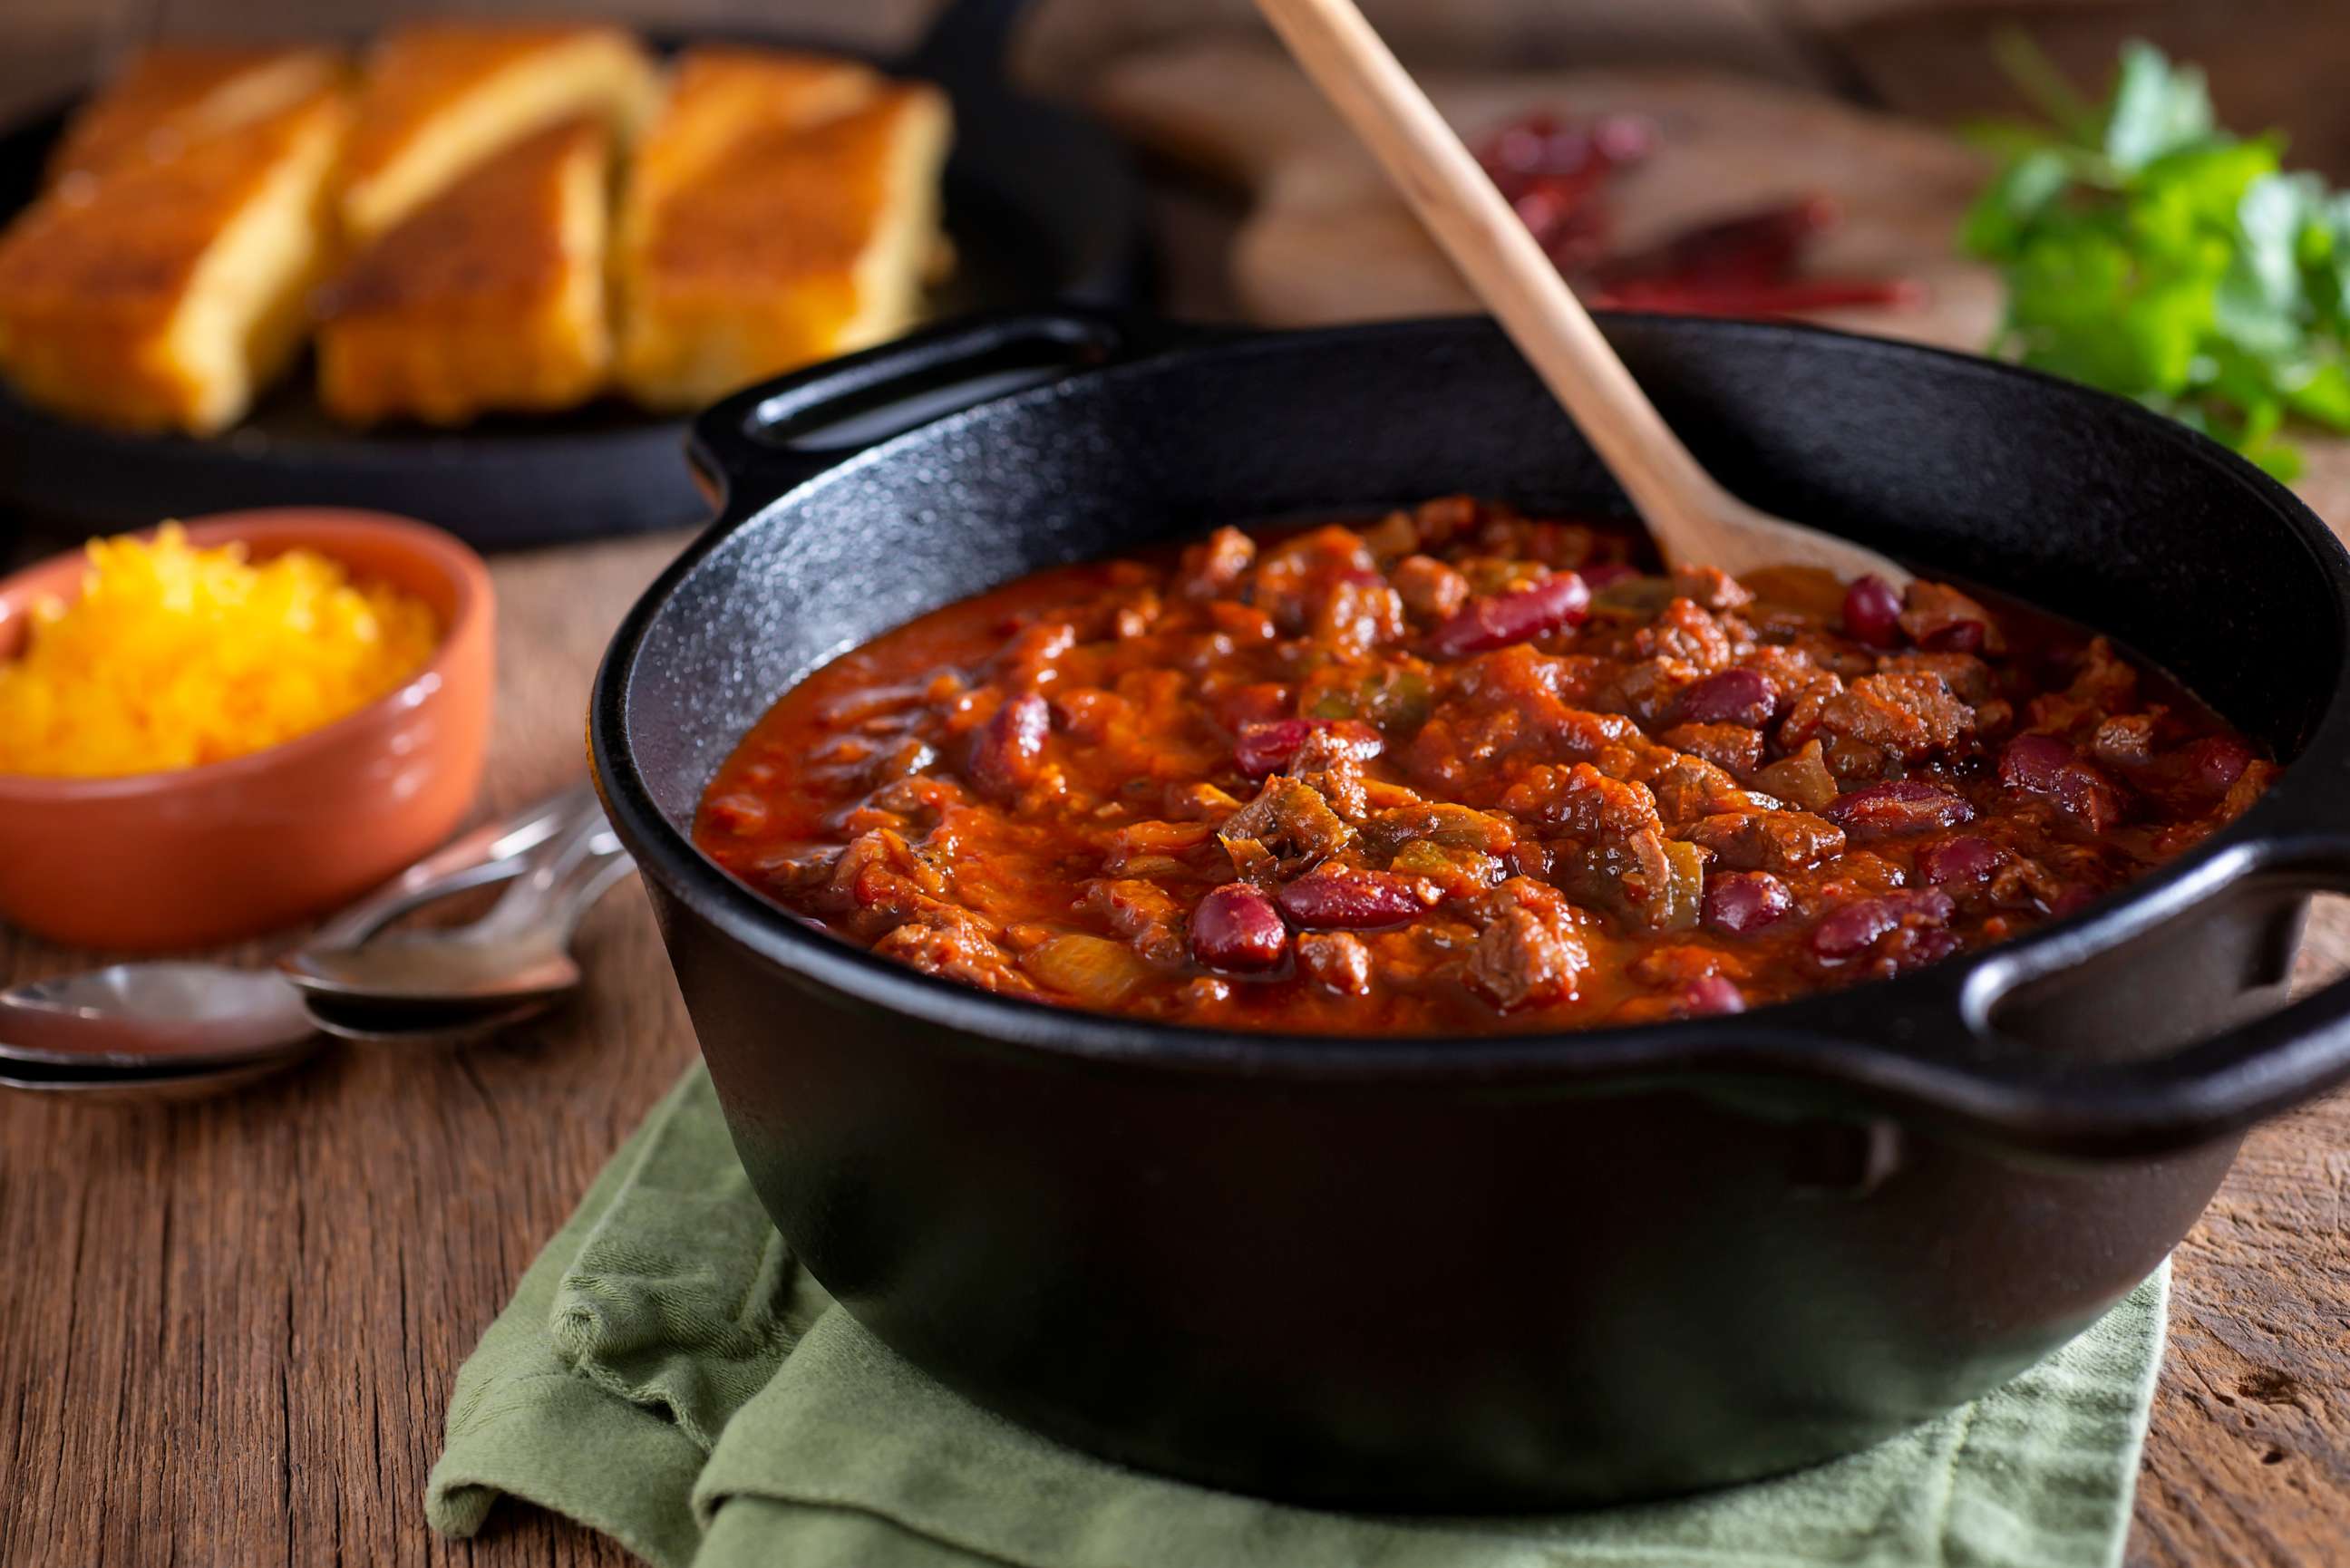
x: 164, y: 292
x: 490, y: 298
x: 438, y: 98
x: 765, y: 231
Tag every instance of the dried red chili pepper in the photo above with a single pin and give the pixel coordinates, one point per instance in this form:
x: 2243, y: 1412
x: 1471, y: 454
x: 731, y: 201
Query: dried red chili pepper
x: 1754, y: 247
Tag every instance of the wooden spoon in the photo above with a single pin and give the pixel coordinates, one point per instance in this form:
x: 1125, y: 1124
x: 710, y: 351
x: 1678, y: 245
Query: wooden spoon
x: 1696, y: 522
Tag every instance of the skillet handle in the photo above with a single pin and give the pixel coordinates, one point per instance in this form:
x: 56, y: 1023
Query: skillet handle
x: 2205, y: 1091
x: 759, y: 442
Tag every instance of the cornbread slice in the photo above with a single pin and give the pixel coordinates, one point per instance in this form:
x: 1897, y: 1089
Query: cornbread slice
x: 173, y: 97
x: 440, y: 97
x: 767, y: 230
x: 164, y: 293
x: 489, y: 297
x: 718, y: 96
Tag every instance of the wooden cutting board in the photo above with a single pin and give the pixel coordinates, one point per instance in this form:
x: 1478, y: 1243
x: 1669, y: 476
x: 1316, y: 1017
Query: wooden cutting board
x: 1324, y: 241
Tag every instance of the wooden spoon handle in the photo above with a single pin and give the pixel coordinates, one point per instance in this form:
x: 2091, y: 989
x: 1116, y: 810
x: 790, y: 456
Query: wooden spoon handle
x: 1693, y: 518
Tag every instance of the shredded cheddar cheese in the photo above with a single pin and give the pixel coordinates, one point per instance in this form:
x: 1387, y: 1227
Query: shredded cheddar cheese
x: 174, y: 657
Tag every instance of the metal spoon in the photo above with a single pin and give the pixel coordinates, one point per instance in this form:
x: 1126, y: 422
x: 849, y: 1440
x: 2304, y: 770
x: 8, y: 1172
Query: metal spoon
x: 180, y: 1016
x: 172, y: 1029
x: 398, y: 1024
x: 517, y: 955
x: 143, y: 1087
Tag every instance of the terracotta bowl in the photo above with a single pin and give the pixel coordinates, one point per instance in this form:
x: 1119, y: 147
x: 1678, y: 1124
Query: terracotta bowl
x: 211, y: 854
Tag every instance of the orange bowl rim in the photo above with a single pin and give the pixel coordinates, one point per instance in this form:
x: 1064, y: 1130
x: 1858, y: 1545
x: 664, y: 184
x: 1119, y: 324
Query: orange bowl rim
x: 292, y: 527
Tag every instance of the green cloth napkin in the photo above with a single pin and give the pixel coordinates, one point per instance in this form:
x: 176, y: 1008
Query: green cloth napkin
x: 668, y: 1375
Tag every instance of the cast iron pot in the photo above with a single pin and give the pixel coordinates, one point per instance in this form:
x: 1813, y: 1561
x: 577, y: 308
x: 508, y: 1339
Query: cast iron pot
x: 1513, y: 1271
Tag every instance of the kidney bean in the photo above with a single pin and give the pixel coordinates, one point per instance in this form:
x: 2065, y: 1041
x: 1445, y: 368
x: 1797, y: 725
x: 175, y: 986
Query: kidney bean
x: 2044, y: 766
x: 1962, y: 859
x: 1710, y: 995
x: 1731, y: 697
x: 1558, y: 602
x: 1737, y: 902
x: 1009, y: 745
x: 2216, y: 761
x: 1340, y: 899
x: 1265, y: 749
x: 1899, y: 805
x: 2033, y: 763
x: 1851, y: 930
x: 1235, y: 927
x: 1872, y: 612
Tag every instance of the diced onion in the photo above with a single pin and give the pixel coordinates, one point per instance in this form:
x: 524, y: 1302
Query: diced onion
x: 1093, y: 971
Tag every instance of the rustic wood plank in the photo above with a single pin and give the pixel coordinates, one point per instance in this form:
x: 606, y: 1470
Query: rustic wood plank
x: 230, y: 1328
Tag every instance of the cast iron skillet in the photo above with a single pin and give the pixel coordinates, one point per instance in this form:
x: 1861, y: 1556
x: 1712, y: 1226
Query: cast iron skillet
x: 1493, y: 1273
x: 1041, y: 206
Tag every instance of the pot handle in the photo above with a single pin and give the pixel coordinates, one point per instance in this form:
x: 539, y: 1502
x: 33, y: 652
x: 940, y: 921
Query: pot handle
x: 753, y: 446
x: 2204, y: 1091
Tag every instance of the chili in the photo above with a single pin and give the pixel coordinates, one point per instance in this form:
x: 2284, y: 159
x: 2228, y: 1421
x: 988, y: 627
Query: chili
x: 1460, y: 769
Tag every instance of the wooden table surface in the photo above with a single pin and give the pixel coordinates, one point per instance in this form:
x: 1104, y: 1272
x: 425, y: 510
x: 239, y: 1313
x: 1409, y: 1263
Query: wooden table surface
x: 227, y: 1330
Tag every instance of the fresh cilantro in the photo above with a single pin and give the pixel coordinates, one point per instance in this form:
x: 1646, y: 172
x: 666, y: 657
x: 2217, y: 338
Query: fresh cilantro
x: 2149, y: 252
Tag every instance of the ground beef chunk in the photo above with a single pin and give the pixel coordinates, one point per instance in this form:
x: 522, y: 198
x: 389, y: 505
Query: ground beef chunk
x: 1144, y: 913
x: 1688, y: 788
x: 1356, y: 617
x: 1286, y: 829
x: 1781, y: 841
x: 2126, y: 741
x: 1687, y: 633
x: 2102, y: 685
x: 878, y: 870
x: 1214, y: 565
x: 954, y: 944
x: 1338, y: 960
x: 1910, y: 715
x: 1734, y: 748
x: 1582, y: 801
x: 1331, y: 765
x: 921, y: 799
x: 1650, y: 690
x: 1937, y: 616
x: 1969, y: 678
x: 1805, y: 706
x: 1528, y: 950
x: 1711, y: 587
x: 1430, y: 589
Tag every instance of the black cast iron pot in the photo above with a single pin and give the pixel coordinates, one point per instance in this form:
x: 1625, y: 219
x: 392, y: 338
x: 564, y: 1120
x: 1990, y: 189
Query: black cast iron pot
x: 1491, y: 1272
